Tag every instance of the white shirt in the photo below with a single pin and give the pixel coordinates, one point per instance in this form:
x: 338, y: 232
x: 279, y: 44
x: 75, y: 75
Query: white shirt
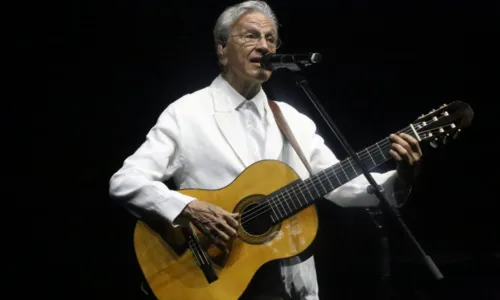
x: 205, y: 139
x: 254, y: 120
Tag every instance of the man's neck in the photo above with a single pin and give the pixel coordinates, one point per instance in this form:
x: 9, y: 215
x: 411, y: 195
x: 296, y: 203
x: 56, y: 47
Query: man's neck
x: 247, y: 89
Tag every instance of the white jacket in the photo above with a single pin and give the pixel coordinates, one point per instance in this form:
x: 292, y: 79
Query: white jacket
x: 198, y: 140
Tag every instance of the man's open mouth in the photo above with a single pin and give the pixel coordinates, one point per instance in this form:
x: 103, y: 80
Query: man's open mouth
x: 255, y: 59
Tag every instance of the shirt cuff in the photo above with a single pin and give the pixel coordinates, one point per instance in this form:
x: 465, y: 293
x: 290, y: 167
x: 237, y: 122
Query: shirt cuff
x: 172, y: 206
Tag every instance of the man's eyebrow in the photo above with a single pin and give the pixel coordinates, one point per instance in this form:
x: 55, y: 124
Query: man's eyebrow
x: 253, y: 28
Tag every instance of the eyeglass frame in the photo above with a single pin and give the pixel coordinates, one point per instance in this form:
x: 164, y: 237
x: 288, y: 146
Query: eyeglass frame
x: 244, y: 36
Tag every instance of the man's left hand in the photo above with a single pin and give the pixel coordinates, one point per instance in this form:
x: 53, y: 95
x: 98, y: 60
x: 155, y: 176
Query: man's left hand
x: 405, y: 149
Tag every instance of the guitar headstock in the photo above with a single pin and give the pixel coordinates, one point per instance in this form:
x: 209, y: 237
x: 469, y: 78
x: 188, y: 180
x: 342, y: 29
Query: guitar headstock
x: 440, y: 124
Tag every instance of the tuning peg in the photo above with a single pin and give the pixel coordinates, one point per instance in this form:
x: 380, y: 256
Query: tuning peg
x: 445, y: 139
x: 456, y: 133
x: 444, y: 105
x: 433, y: 144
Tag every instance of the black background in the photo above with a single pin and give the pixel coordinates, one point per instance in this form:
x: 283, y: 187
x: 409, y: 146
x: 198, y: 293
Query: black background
x: 91, y: 78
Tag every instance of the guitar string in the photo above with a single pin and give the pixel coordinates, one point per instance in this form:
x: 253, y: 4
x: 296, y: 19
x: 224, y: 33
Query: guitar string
x: 262, y: 208
x: 275, y: 201
x: 335, y: 168
x: 298, y: 187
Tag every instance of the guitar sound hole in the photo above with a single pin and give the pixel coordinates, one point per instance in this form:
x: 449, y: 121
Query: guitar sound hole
x: 256, y: 218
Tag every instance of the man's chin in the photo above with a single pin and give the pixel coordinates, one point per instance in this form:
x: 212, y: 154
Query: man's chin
x: 262, y: 74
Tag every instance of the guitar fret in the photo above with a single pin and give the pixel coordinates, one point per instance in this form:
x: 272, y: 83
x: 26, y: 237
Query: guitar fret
x: 342, y: 168
x: 321, y: 183
x: 303, y: 196
x: 369, y: 154
x: 349, y: 169
x: 270, y: 202
x: 284, y: 200
x: 302, y: 186
x: 338, y: 183
x: 308, y: 188
x: 315, y: 189
x: 355, y: 173
x: 293, y: 202
x: 340, y: 174
x: 277, y: 205
x: 338, y: 180
x: 327, y: 180
x: 291, y: 199
x: 380, y: 150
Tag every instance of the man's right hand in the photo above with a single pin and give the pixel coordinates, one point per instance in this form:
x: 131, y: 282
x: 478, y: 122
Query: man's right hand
x: 213, y: 219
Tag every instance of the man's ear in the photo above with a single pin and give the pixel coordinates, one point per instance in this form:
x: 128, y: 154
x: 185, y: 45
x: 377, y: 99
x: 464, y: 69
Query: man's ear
x: 221, y: 46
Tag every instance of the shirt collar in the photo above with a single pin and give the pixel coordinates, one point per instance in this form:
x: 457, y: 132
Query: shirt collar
x: 235, y: 100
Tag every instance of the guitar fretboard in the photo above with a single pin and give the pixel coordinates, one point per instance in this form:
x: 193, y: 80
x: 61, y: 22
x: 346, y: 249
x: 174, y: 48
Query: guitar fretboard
x: 302, y: 193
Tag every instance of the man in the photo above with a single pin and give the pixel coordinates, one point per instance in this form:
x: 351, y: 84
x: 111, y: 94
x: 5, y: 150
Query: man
x: 205, y: 139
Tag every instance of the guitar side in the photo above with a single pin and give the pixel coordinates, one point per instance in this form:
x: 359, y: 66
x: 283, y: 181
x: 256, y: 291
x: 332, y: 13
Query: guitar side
x: 171, y: 270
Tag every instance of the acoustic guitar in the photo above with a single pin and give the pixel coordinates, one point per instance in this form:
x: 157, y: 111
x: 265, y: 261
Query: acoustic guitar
x: 278, y: 219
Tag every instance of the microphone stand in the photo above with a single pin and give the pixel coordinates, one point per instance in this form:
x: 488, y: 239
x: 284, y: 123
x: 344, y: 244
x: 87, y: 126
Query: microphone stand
x: 375, y: 213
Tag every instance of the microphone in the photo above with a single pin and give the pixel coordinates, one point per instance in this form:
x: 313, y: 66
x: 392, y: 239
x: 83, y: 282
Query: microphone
x: 274, y: 61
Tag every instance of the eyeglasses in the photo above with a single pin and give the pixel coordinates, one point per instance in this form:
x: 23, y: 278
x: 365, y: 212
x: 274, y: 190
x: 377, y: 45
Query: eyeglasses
x: 253, y: 39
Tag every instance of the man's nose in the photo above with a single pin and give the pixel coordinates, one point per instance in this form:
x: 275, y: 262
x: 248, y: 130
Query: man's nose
x: 263, y: 46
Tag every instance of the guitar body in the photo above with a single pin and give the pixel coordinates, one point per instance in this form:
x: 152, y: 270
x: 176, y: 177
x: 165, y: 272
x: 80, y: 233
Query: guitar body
x: 170, y: 268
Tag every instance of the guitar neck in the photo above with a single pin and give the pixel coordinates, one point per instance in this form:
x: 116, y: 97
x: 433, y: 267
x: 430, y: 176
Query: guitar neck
x: 301, y: 193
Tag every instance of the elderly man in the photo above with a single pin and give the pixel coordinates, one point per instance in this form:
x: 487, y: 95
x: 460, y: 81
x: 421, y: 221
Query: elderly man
x: 205, y: 139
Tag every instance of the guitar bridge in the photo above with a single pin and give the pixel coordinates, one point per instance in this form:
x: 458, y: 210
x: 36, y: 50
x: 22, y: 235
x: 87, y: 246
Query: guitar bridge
x: 202, y: 259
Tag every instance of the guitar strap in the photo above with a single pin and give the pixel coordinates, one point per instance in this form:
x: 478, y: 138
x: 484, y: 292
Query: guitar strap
x: 285, y: 129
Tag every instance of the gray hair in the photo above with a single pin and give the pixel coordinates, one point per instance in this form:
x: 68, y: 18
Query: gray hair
x: 231, y: 14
